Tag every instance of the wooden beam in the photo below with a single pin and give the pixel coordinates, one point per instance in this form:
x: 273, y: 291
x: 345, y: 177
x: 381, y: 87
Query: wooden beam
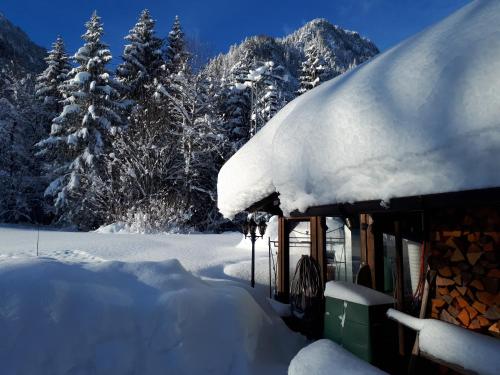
x: 399, y: 282
x: 283, y: 283
x: 417, y: 203
x: 372, y: 249
x: 318, y: 243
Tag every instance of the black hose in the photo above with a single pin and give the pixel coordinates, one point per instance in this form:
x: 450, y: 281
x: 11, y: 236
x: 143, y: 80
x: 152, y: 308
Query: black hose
x: 306, y: 297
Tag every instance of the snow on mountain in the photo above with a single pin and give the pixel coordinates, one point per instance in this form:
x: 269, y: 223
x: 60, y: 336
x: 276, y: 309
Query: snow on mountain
x: 420, y: 118
x: 17, y: 50
x: 340, y: 49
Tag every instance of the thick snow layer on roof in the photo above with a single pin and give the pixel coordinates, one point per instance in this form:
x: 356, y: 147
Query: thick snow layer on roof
x: 356, y: 294
x: 324, y: 357
x: 423, y: 117
x: 455, y: 345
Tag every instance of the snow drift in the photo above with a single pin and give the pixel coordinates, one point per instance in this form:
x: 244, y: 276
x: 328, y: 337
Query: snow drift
x: 324, y: 357
x: 141, y: 318
x: 423, y: 117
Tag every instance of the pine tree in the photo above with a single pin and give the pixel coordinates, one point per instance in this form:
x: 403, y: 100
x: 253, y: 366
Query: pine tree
x: 236, y: 108
x: 82, y: 133
x: 20, y: 185
x: 267, y: 95
x: 176, y: 54
x: 142, y: 58
x: 311, y: 70
x: 49, y: 81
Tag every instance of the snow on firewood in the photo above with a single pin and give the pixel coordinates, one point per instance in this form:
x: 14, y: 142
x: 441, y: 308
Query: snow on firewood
x: 454, y: 345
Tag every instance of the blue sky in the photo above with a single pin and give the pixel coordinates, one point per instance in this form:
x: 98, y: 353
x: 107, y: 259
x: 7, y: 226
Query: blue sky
x: 222, y: 23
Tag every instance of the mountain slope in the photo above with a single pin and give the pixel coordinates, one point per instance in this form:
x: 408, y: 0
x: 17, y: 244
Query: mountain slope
x: 340, y: 50
x: 17, y: 50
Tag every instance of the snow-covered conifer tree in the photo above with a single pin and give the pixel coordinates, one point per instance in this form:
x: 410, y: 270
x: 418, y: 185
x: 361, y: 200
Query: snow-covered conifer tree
x: 20, y: 186
x: 142, y: 58
x: 81, y: 134
x: 311, y: 70
x: 49, y: 81
x: 176, y: 54
x: 267, y: 96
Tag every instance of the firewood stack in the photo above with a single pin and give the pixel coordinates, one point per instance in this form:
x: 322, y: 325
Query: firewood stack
x: 467, y: 285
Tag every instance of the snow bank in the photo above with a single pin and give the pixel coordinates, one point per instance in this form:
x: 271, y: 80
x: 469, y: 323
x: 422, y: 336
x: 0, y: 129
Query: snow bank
x: 472, y: 351
x: 141, y: 318
x: 324, y: 357
x: 356, y: 294
x: 118, y: 227
x: 420, y: 118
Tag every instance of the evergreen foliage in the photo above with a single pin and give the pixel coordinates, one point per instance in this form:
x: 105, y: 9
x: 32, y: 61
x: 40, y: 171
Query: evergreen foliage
x: 144, y: 146
x: 82, y: 133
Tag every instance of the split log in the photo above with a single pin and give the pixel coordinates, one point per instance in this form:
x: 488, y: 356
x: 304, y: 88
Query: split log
x: 462, y: 302
x: 493, y: 313
x: 445, y: 271
x: 481, y: 307
x: 473, y: 257
x: 495, y: 272
x: 454, y: 293
x: 474, y: 325
x: 483, y: 322
x: 442, y: 281
x: 453, y: 311
x: 486, y: 298
x: 464, y: 317
x: 495, y: 329
x: 472, y: 312
x: 457, y: 256
x: 477, y: 284
x: 445, y: 316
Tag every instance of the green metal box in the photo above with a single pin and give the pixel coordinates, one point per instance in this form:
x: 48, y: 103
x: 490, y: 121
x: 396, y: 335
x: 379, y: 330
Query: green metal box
x: 360, y: 324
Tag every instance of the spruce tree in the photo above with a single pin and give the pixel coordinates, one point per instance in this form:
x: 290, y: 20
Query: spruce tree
x: 49, y: 81
x: 311, y: 71
x: 176, y: 54
x: 142, y: 58
x: 81, y: 135
x: 20, y: 185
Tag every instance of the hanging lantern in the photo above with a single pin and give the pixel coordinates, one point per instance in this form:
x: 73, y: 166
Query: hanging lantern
x: 262, y: 227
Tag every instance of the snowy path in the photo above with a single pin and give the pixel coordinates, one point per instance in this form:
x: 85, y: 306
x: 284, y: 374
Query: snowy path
x: 202, y: 254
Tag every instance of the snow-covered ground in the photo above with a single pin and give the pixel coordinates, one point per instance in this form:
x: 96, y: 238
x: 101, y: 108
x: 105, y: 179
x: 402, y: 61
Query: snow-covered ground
x: 122, y: 303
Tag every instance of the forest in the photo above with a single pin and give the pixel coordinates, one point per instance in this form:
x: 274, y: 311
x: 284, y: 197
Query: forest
x: 83, y: 145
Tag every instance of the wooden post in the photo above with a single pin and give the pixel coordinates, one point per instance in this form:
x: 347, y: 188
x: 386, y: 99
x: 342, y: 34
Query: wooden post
x: 318, y: 243
x: 283, y: 284
x: 399, y: 282
x: 372, y: 250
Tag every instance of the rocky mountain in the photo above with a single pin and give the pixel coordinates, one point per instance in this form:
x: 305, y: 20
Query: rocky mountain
x: 17, y: 51
x: 339, y: 49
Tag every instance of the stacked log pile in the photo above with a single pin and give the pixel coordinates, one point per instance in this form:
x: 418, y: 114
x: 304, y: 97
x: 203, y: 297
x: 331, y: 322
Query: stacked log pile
x: 467, y: 284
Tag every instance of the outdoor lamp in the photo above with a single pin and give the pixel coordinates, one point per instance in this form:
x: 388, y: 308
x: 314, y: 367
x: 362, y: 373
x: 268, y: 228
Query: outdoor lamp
x: 250, y: 230
x: 244, y: 228
x: 252, y: 227
x: 262, y: 227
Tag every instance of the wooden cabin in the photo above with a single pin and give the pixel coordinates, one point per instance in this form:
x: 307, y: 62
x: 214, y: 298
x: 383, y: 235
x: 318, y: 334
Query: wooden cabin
x: 403, y: 152
x: 458, y: 237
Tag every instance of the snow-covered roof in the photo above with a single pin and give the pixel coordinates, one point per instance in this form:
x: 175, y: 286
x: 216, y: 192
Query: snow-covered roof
x: 421, y: 118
